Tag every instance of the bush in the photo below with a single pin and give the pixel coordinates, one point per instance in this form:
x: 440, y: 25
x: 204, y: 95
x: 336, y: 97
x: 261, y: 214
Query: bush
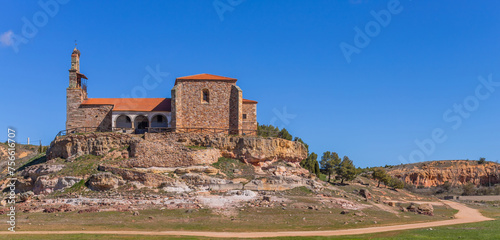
x: 468, y: 189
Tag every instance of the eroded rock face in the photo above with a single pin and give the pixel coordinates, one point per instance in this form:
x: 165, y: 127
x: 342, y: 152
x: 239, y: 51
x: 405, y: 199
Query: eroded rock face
x: 179, y: 149
x: 39, y: 170
x: 45, y: 184
x: 166, y: 153
x: 148, y: 179
x: 279, y: 183
x: 457, y: 172
x: 98, y: 144
x: 102, y: 181
x: 251, y: 149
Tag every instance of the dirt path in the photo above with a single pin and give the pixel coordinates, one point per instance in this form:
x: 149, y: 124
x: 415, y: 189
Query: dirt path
x: 464, y: 215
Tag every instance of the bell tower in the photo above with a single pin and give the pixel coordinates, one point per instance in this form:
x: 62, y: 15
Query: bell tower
x: 76, y: 92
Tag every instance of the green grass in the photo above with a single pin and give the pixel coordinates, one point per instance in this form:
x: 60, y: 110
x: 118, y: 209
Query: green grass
x: 298, y: 191
x: 76, y: 187
x: 242, y: 219
x: 38, y: 159
x: 81, y: 166
x: 226, y: 166
x: 482, y: 230
x: 92, y: 237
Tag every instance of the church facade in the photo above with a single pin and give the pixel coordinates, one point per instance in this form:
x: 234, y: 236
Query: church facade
x: 198, y: 103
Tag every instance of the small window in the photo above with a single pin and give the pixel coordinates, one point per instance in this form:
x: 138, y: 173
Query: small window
x: 244, y: 116
x: 206, y: 96
x: 160, y: 118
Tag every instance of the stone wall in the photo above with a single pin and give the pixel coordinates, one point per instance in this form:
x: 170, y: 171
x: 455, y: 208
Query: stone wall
x: 74, y: 97
x: 98, y: 117
x: 190, y: 111
x: 94, y: 116
x: 235, y: 110
x: 250, y: 123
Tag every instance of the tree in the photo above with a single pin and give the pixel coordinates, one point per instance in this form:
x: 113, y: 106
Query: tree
x: 380, y: 174
x: 346, y: 170
x: 285, y: 134
x: 311, y: 163
x: 397, y: 183
x: 330, y: 161
x: 267, y: 130
x: 482, y: 160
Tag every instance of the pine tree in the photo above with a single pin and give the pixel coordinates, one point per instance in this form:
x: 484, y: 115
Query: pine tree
x: 379, y: 174
x: 330, y: 162
x: 285, y: 134
x: 347, y: 170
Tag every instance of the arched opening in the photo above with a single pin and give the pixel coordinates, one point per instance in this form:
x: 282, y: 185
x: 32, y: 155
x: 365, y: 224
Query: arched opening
x: 141, y: 124
x: 159, y: 121
x: 123, y: 122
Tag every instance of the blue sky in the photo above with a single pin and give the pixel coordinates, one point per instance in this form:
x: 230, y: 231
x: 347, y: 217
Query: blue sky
x: 286, y: 54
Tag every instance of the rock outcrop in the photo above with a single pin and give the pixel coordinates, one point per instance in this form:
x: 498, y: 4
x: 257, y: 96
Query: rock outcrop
x: 102, y: 181
x: 148, y: 179
x: 178, y: 149
x: 41, y: 169
x: 45, y: 184
x: 75, y: 145
x: 251, y: 149
x: 456, y: 172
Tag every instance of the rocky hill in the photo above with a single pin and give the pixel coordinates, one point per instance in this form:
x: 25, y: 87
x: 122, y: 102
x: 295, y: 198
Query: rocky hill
x: 171, y: 162
x: 456, y: 172
x: 232, y: 181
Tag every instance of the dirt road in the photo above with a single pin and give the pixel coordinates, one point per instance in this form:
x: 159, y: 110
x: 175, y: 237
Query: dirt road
x: 464, y: 215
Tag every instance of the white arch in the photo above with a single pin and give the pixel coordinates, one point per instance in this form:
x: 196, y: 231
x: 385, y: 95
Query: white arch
x: 123, y: 121
x: 138, y: 119
x: 153, y: 120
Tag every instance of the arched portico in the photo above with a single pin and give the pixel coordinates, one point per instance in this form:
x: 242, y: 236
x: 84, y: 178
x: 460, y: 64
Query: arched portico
x: 123, y: 121
x: 141, y: 124
x: 158, y: 120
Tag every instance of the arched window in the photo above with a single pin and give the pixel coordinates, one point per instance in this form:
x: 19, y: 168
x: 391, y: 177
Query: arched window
x: 205, y: 98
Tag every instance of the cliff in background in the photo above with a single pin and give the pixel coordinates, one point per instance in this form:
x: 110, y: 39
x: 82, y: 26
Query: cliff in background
x: 456, y: 172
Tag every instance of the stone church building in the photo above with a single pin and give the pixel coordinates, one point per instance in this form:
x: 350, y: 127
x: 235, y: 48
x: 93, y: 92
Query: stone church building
x: 199, y: 103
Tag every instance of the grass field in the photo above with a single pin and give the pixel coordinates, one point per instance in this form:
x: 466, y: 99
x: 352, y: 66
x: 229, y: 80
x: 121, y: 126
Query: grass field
x: 482, y: 230
x: 242, y: 219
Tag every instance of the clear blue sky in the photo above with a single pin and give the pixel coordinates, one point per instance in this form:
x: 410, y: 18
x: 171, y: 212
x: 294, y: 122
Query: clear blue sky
x: 286, y: 54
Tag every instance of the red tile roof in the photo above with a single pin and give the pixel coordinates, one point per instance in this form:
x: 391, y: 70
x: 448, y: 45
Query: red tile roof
x: 132, y: 104
x: 249, y: 101
x: 205, y: 76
